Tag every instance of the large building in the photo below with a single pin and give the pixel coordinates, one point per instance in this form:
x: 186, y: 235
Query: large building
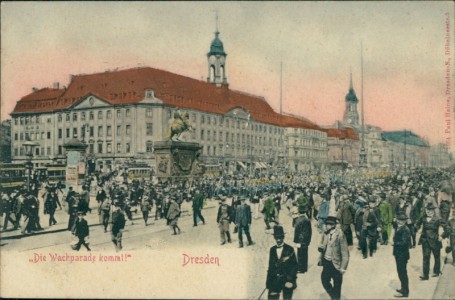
x: 121, y: 114
x: 5, y: 141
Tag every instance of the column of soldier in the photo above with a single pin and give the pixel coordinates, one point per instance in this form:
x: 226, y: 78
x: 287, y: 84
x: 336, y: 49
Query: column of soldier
x: 371, y: 210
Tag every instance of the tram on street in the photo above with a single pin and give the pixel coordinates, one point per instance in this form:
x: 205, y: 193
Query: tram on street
x: 135, y: 171
x: 12, y: 176
x: 56, y: 173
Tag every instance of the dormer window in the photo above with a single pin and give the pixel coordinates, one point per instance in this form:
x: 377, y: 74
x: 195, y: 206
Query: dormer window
x: 149, y: 94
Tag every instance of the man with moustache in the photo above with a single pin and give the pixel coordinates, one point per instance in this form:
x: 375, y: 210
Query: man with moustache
x: 430, y: 241
x: 334, y: 257
x: 243, y: 222
x: 282, y: 270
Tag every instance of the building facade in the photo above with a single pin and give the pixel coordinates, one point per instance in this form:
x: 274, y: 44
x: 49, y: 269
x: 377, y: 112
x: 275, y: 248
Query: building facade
x: 121, y: 114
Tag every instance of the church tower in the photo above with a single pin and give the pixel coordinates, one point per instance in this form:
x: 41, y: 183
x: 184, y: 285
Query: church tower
x: 217, y: 61
x: 351, y: 115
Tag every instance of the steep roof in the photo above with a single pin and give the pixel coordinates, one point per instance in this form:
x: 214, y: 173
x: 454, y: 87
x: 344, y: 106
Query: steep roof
x: 404, y: 136
x: 346, y: 133
x: 129, y: 86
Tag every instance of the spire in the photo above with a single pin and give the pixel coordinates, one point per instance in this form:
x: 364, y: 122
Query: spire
x: 217, y: 32
x: 351, y: 87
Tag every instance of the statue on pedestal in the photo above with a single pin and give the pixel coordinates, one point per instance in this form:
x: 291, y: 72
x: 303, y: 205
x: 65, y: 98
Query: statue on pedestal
x: 180, y: 125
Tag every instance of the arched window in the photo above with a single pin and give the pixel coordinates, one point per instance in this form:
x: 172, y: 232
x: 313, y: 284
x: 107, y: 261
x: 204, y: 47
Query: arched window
x: 212, y: 73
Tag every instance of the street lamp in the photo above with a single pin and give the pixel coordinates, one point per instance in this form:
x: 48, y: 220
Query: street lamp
x: 29, y: 147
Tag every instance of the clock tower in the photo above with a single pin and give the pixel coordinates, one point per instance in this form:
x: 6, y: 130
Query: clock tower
x: 351, y: 115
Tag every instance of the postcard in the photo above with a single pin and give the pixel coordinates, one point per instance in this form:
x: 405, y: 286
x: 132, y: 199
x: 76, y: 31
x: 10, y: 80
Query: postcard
x: 227, y: 150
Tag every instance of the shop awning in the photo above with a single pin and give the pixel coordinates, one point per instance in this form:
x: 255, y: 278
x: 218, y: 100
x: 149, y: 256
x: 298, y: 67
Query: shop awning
x: 259, y: 165
x: 242, y: 164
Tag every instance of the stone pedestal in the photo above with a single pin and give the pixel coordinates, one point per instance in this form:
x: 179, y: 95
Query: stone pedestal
x: 177, y: 161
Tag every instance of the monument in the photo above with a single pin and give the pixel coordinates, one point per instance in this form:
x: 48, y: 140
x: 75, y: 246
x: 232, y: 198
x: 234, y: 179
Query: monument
x: 177, y: 160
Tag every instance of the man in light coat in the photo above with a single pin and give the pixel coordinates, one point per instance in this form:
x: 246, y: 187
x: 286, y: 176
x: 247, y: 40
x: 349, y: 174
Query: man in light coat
x: 334, y: 257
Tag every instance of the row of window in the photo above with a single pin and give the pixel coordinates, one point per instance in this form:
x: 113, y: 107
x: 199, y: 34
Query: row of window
x: 91, y: 115
x: 240, y: 151
x: 309, y: 132
x: 307, y: 153
x: 240, y: 138
x: 32, y: 136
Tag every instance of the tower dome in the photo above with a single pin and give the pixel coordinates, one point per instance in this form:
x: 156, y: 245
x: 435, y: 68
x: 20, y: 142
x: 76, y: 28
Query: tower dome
x: 216, y: 47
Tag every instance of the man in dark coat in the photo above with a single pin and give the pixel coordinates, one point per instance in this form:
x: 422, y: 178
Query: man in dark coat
x: 346, y: 215
x: 81, y: 230
x: 302, y: 237
x: 243, y: 222
x: 198, y: 202
x: 370, y: 225
x: 430, y: 241
x: 401, y: 245
x: 73, y: 202
x: 282, y: 271
x: 118, y: 224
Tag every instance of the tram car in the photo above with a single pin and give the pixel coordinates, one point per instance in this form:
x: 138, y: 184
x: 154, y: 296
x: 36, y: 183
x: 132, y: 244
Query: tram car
x: 12, y: 176
x: 135, y: 171
x: 214, y: 170
x: 56, y: 173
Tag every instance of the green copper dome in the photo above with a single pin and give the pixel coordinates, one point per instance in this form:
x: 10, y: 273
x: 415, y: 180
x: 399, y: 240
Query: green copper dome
x: 351, y: 96
x: 216, y: 47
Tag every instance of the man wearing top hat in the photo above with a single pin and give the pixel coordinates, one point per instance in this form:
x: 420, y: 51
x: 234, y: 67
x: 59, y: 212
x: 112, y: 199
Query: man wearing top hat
x: 282, y: 270
x: 430, y: 241
x: 334, y: 257
x: 401, y: 245
x: 302, y: 237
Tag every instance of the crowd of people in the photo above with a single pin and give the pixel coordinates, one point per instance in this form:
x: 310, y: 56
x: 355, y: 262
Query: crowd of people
x: 347, y: 211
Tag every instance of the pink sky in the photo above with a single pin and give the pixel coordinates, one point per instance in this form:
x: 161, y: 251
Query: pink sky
x: 318, y: 43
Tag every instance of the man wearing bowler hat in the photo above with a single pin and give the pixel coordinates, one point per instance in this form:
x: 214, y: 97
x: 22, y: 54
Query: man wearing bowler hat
x: 282, y: 271
x: 401, y: 244
x: 430, y: 241
x: 334, y: 257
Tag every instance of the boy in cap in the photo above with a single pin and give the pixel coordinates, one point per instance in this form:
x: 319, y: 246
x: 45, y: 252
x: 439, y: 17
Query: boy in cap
x: 334, y: 257
x: 430, y: 241
x: 401, y: 245
x: 282, y: 270
x: 81, y: 230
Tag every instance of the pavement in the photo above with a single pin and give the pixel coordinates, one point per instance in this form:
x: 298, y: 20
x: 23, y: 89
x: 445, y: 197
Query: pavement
x: 244, y: 270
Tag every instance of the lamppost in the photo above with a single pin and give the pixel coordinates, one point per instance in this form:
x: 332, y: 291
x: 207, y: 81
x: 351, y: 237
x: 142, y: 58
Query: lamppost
x: 29, y: 147
x: 342, y: 153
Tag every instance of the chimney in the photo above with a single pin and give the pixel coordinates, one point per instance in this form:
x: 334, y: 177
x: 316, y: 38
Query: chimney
x: 56, y: 85
x: 34, y: 89
x: 71, y: 77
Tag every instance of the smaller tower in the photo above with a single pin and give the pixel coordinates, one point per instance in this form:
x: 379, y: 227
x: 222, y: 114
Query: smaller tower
x: 351, y: 115
x: 217, y: 60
